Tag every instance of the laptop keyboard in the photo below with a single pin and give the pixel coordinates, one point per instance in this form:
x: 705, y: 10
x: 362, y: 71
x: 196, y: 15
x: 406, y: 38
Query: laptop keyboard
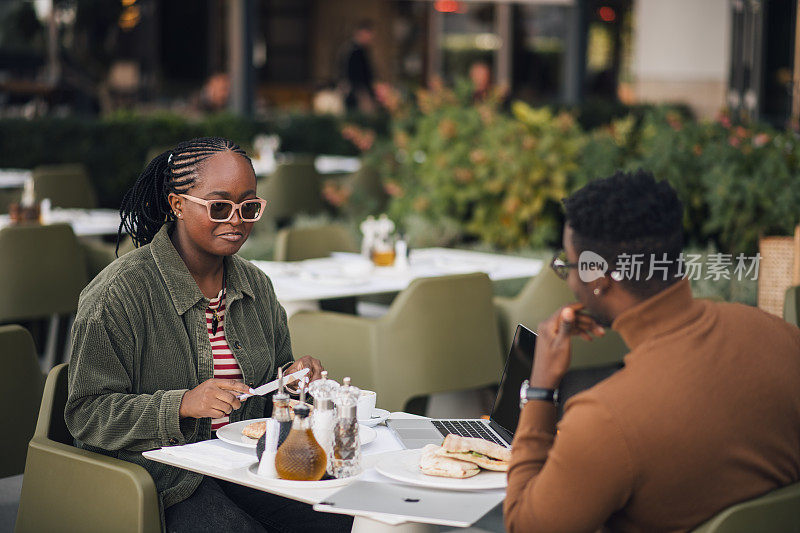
x: 467, y: 428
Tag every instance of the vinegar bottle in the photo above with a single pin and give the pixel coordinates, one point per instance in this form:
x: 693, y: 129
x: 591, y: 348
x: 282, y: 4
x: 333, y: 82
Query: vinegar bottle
x: 281, y: 411
x: 300, y: 457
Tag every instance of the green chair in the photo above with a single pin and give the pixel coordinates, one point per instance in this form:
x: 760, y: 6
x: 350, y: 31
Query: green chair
x: 295, y: 187
x: 69, y: 489
x: 777, y: 512
x: 299, y: 244
x: 42, y: 273
x: 367, y: 190
x: 439, y: 335
x: 66, y: 186
x: 97, y: 255
x: 539, y: 299
x: 791, y: 305
x: 21, y: 383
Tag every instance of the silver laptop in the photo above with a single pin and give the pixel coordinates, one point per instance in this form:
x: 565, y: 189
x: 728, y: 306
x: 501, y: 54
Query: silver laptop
x: 500, y: 428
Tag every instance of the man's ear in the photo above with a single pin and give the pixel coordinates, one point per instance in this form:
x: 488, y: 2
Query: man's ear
x: 602, y: 284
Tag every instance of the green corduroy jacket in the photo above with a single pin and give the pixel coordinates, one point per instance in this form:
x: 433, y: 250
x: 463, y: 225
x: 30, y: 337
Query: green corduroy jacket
x: 140, y: 341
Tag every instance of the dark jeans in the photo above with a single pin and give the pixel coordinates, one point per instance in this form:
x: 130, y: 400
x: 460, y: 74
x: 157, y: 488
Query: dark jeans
x: 217, y: 505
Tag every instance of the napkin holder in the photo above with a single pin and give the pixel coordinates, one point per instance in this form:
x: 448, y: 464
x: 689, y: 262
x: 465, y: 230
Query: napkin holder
x: 266, y: 467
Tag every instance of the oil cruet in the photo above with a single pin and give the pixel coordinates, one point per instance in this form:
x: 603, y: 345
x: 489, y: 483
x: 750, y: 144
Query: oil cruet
x: 300, y: 457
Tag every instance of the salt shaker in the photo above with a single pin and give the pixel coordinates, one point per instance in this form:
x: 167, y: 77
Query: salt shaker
x: 401, y: 253
x: 346, y: 444
x: 368, y: 232
x: 323, y: 418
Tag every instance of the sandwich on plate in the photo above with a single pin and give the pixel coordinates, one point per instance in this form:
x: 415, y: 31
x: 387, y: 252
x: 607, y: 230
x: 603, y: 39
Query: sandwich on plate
x: 431, y: 463
x: 480, y: 452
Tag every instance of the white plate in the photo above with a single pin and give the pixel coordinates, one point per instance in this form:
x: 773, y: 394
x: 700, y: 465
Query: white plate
x: 232, y: 434
x: 277, y: 482
x: 378, y: 416
x: 404, y: 466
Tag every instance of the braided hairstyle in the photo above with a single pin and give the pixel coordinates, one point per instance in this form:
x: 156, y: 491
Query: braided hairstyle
x: 145, y: 207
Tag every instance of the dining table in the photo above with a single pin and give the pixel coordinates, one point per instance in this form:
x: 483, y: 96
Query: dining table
x: 84, y: 222
x: 325, y: 165
x: 300, y: 285
x: 14, y: 178
x: 239, y: 464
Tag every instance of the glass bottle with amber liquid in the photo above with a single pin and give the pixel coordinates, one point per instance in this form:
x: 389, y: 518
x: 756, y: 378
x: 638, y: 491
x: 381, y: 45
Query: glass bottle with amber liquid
x: 300, y: 457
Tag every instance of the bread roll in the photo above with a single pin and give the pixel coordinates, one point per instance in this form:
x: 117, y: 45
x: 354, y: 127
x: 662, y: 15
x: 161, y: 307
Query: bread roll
x: 255, y: 430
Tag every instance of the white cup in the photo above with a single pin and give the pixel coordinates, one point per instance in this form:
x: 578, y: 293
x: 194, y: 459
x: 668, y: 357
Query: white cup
x: 366, y: 404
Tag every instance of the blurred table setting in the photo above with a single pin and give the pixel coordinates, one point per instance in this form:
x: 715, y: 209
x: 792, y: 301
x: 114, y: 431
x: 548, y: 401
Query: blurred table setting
x: 14, y: 178
x: 350, y: 274
x: 84, y: 222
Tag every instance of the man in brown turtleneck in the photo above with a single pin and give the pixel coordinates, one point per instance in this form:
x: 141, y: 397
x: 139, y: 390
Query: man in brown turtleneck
x: 705, y: 413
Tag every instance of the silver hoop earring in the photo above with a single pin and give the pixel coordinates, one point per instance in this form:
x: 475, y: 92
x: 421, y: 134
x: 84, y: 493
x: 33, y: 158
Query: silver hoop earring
x: 596, y: 292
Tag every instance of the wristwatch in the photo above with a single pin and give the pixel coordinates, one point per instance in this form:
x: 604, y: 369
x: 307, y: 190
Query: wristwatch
x: 528, y: 393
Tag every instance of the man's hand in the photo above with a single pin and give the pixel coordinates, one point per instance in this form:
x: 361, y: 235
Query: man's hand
x: 554, y: 345
x: 213, y: 398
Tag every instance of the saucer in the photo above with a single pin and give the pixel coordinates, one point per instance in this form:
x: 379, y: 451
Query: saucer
x: 378, y: 416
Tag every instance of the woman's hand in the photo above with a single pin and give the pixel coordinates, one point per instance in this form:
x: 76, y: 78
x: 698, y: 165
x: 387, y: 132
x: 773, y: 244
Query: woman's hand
x: 306, y: 362
x: 554, y: 344
x: 213, y: 398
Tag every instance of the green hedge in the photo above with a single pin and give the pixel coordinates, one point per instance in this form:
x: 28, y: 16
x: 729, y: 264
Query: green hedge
x: 114, y: 149
x: 483, y: 175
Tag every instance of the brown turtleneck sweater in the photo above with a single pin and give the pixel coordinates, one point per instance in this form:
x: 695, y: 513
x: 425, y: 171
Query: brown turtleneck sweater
x: 705, y: 414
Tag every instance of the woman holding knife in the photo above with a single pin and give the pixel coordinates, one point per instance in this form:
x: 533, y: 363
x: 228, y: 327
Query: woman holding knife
x: 168, y: 336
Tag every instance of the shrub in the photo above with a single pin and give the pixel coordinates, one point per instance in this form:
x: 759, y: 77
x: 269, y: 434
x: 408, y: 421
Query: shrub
x: 114, y: 148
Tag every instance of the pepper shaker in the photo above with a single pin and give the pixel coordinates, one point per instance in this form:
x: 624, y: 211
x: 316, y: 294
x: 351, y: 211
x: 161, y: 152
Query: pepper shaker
x: 323, y: 418
x: 346, y: 443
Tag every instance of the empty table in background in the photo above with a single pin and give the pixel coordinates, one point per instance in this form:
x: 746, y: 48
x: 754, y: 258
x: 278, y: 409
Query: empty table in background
x: 84, y: 222
x: 14, y: 178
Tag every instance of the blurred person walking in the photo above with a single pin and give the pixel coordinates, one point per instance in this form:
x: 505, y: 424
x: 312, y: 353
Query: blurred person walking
x: 480, y: 74
x: 357, y: 72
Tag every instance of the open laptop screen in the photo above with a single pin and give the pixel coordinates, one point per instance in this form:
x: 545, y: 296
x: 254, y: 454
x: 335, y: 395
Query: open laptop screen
x: 518, y: 368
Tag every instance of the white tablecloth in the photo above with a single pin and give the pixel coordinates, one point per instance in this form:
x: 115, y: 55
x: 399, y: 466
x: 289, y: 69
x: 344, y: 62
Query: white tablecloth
x: 342, y: 275
x: 324, y: 164
x: 13, y: 178
x: 84, y: 222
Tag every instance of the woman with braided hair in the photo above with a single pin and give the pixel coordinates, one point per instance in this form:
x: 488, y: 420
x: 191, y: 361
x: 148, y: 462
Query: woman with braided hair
x: 168, y: 335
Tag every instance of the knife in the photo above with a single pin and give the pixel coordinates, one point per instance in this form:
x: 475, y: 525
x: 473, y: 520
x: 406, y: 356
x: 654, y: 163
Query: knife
x: 273, y: 385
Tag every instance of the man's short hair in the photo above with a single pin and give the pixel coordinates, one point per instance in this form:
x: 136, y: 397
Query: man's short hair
x: 630, y: 218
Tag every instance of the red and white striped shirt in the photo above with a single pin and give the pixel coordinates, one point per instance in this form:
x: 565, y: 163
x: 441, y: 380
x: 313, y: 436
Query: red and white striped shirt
x: 225, y: 364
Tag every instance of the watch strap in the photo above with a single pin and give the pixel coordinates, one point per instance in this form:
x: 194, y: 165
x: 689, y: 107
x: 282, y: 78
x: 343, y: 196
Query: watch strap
x: 528, y: 393
x: 537, y: 393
